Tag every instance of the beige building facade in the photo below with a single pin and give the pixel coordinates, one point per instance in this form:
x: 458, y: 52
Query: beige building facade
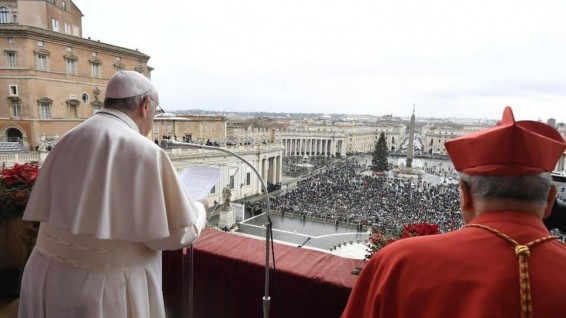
x: 313, y: 143
x: 339, y: 139
x: 189, y: 128
x: 434, y: 139
x: 51, y: 79
x: 235, y: 175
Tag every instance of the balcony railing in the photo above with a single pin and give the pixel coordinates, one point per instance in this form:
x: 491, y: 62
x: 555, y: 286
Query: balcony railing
x: 9, y: 159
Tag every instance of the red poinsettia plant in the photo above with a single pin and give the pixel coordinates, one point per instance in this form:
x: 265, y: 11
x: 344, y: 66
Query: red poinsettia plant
x: 378, y: 241
x: 15, y: 188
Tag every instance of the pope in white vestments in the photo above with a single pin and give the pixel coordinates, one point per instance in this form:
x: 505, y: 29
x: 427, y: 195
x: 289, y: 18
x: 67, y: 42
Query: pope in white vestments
x: 109, y: 201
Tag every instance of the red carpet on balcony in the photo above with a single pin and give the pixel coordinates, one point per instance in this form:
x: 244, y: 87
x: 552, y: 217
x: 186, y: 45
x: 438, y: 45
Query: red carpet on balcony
x: 230, y: 275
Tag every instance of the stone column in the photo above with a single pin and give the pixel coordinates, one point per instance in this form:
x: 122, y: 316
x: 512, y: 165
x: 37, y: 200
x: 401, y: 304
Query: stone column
x: 293, y: 146
x: 333, y: 147
x: 265, y: 167
x: 279, y: 169
x: 314, y: 146
x: 274, y: 170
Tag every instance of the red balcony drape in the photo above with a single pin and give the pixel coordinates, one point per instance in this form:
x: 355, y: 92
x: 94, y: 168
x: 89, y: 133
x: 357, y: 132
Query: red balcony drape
x: 229, y: 279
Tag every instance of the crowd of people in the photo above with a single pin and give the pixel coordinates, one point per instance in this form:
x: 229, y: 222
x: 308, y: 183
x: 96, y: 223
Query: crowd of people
x: 297, y: 167
x: 341, y: 194
x: 336, y: 191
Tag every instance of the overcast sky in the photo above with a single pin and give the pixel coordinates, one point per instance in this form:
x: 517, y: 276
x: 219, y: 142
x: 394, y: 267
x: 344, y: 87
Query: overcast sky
x: 451, y: 58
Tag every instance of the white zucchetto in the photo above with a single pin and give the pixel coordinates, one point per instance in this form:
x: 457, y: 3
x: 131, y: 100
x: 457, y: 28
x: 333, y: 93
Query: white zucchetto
x: 126, y: 84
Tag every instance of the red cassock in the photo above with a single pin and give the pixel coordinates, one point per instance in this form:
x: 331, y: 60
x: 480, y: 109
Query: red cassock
x: 465, y: 273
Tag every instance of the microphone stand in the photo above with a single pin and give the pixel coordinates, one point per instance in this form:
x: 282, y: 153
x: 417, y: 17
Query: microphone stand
x: 266, y: 300
x: 305, y: 242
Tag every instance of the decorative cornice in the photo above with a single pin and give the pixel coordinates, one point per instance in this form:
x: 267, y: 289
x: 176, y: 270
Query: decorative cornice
x: 70, y: 56
x: 31, y: 31
x: 45, y: 100
x: 119, y: 66
x: 42, y: 51
x: 73, y: 102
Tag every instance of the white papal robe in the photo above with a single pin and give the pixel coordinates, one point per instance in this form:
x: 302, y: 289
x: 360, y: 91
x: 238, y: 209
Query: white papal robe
x: 109, y: 201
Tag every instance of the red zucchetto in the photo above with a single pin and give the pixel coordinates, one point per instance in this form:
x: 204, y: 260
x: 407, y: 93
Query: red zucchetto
x: 509, y: 149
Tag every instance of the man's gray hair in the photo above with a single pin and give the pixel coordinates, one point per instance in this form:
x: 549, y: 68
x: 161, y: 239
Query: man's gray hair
x: 127, y: 104
x: 533, y: 188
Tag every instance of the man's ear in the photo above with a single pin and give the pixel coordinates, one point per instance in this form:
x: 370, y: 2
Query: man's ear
x: 550, y: 200
x: 466, y: 202
x: 144, y: 106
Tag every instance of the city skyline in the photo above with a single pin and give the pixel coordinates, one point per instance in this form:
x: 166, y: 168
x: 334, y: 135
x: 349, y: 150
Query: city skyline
x: 461, y: 60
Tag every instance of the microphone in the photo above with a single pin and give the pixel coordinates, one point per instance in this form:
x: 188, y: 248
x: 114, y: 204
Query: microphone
x: 305, y: 242
x: 266, y: 300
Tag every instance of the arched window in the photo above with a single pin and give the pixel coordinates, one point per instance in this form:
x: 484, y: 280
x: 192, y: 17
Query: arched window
x: 3, y: 15
x: 14, y: 134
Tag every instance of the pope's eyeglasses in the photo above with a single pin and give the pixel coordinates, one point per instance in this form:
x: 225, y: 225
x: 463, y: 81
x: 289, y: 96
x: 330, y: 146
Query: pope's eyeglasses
x: 158, y: 109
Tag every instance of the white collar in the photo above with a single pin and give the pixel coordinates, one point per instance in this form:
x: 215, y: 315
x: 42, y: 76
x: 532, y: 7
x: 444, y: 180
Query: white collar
x: 120, y: 115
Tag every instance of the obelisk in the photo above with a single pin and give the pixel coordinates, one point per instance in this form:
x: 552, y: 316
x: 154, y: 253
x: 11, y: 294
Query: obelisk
x: 409, y: 162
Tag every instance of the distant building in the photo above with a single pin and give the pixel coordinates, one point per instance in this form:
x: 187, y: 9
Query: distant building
x: 435, y: 137
x: 189, y: 128
x: 245, y: 131
x: 52, y: 79
x: 339, y: 139
x: 551, y: 122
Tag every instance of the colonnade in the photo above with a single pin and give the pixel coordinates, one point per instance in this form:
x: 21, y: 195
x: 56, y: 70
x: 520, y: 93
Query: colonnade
x: 317, y: 146
x: 242, y: 180
x: 271, y: 169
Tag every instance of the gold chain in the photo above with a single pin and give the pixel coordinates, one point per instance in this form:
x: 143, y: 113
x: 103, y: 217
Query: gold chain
x: 523, y: 252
